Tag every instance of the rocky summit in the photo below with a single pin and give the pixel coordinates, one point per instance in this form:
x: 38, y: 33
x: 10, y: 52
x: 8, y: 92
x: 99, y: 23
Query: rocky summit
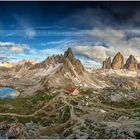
x: 131, y: 63
x: 107, y: 63
x: 118, y: 61
x: 71, y: 63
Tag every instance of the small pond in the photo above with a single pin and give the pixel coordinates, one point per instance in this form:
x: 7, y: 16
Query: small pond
x: 7, y: 92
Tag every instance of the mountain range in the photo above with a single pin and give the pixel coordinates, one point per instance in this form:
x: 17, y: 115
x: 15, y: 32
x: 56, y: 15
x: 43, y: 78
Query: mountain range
x: 106, y: 104
x: 60, y: 70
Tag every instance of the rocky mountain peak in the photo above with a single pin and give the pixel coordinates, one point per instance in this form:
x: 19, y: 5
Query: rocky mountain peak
x: 70, y: 62
x: 118, y: 61
x: 28, y: 60
x: 68, y: 53
x: 107, y: 63
x: 132, y: 59
x: 27, y: 64
x: 118, y: 53
x: 131, y: 63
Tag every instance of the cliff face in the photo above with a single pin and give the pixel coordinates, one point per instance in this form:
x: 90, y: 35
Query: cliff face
x: 118, y: 61
x: 107, y: 63
x: 131, y: 63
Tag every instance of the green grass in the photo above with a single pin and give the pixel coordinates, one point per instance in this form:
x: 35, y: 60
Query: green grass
x: 73, y: 102
x: 87, y: 91
x: 65, y: 114
x: 68, y: 132
x: 25, y: 105
x: 137, y: 134
x: 130, y: 104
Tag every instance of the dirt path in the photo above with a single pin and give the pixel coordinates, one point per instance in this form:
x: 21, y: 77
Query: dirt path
x: 73, y: 115
x: 16, y: 115
x: 113, y: 108
x: 30, y: 115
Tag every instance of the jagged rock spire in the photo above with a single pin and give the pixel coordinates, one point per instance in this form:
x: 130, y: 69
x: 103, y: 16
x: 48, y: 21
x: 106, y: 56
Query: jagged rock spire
x: 118, y: 61
x: 68, y: 53
x: 107, y: 63
x: 69, y: 57
x: 131, y: 63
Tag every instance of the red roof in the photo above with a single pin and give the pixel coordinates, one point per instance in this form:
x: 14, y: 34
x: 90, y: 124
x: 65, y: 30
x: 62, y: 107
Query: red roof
x: 69, y: 88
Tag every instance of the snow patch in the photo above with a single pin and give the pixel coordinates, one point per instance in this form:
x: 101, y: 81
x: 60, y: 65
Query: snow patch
x: 51, y: 70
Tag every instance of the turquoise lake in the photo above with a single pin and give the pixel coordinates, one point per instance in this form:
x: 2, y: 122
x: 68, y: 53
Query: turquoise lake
x: 7, y: 92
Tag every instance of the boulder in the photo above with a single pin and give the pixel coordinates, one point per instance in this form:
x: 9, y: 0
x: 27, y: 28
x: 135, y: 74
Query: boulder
x: 15, y: 132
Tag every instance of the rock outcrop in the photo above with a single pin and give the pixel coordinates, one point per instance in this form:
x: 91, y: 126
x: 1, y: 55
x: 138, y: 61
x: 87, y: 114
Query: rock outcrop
x: 69, y: 59
x: 131, y: 63
x: 138, y: 66
x: 118, y: 61
x: 107, y: 63
x: 69, y: 54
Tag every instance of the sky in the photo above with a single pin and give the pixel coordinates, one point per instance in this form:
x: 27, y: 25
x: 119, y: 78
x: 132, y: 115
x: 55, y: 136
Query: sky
x: 94, y: 30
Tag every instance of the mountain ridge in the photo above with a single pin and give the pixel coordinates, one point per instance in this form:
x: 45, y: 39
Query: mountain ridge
x: 57, y: 71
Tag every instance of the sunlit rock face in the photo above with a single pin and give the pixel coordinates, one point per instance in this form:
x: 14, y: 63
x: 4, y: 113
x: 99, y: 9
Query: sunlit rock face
x: 118, y: 61
x: 6, y: 64
x: 28, y: 60
x: 131, y: 63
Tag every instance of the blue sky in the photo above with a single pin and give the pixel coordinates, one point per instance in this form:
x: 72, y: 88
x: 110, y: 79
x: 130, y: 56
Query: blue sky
x: 94, y: 30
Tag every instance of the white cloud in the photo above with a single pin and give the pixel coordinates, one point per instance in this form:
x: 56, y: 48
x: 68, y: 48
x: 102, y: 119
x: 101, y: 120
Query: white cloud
x: 116, y: 43
x: 50, y: 51
x: 6, y: 43
x: 30, y: 32
x: 15, y: 47
x: 90, y: 63
x: 93, y: 52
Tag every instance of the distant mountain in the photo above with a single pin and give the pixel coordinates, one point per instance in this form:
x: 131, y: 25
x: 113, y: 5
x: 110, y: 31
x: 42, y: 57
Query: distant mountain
x: 6, y: 64
x: 107, y: 63
x: 131, y: 63
x: 28, y: 60
x: 57, y: 71
x: 117, y: 63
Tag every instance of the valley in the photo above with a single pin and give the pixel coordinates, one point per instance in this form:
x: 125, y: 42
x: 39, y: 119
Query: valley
x: 65, y: 116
